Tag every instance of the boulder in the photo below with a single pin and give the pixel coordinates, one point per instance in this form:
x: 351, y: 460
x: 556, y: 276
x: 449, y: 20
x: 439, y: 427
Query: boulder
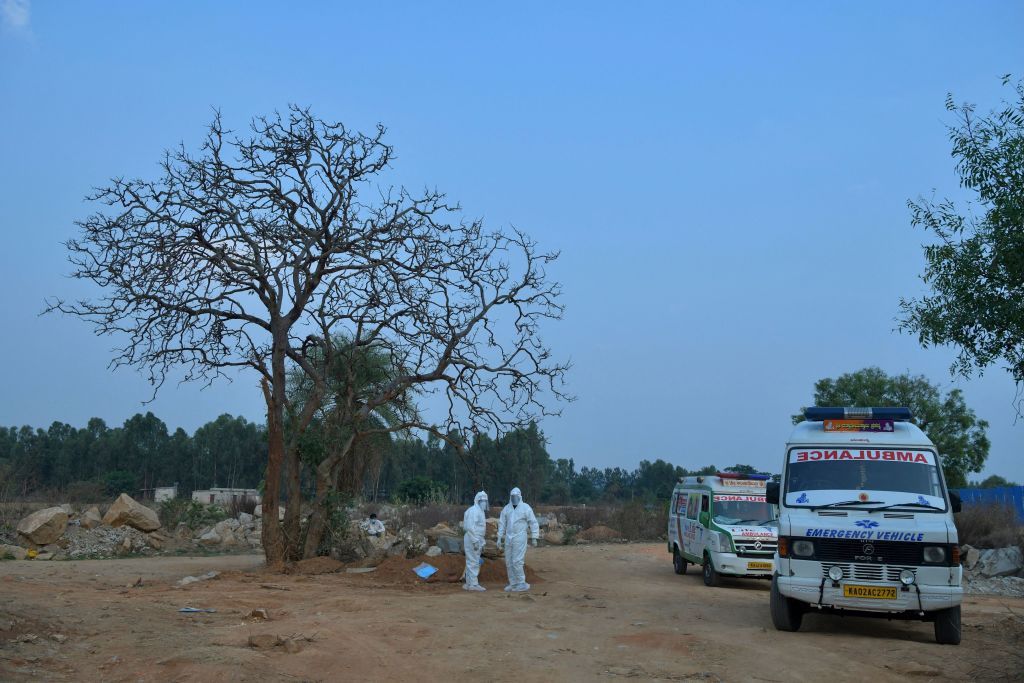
x: 210, y: 537
x: 554, y: 537
x: 245, y: 519
x: 1001, y: 562
x: 91, y: 518
x: 262, y: 641
x: 600, y: 533
x: 450, y: 544
x: 17, y: 552
x: 439, y: 531
x: 970, y: 556
x: 157, y: 540
x: 44, y: 526
x: 547, y: 521
x: 126, y: 510
x: 433, y: 551
x: 414, y: 540
x: 491, y: 550
x: 492, y: 527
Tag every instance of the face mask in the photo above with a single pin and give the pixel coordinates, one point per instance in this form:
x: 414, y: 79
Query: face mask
x: 483, y: 505
x: 516, y: 500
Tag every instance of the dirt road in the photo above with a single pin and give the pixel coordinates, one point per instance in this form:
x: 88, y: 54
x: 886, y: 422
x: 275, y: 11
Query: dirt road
x: 600, y: 612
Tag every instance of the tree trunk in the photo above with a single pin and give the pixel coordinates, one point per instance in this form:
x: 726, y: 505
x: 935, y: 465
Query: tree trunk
x: 273, y: 541
x: 326, y: 483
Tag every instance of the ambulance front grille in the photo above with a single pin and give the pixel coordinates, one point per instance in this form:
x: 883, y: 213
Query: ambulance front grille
x: 748, y: 548
x: 868, y: 572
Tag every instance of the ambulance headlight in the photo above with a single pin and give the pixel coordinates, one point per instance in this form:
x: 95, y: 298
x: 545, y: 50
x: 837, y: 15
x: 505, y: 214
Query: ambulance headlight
x: 934, y: 554
x: 835, y: 572
x: 802, y: 548
x: 906, y: 577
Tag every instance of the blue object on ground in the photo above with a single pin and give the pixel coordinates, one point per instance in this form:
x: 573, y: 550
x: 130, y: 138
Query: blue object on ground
x: 425, y: 571
x: 197, y: 609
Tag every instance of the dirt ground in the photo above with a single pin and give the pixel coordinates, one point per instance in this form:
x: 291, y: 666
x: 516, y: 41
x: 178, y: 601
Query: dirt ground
x: 597, y: 612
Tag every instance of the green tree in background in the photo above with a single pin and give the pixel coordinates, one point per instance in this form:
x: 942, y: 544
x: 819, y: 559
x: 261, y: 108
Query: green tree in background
x: 953, y: 427
x: 994, y: 481
x: 976, y: 268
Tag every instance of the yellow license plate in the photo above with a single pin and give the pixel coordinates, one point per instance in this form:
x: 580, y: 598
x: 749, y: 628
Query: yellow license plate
x: 759, y: 565
x: 873, y: 592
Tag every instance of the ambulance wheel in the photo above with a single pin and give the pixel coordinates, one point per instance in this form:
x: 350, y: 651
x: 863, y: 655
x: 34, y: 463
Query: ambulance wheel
x: 678, y: 563
x: 711, y: 577
x: 947, y: 626
x: 787, y: 614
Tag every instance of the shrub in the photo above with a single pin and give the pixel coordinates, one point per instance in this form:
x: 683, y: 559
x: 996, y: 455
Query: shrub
x: 989, y: 525
x: 86, y: 492
x: 191, y: 513
x: 427, y: 516
x: 420, y: 490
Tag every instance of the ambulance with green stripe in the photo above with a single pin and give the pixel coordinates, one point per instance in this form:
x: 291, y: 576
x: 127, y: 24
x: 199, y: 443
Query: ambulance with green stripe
x: 722, y: 523
x: 865, y: 523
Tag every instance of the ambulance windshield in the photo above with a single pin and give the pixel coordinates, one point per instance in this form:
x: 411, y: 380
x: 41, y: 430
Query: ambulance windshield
x: 895, y: 476
x: 751, y: 510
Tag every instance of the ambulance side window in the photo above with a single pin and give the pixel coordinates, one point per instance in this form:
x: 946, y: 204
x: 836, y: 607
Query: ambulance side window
x: 705, y: 504
x: 693, y: 506
x: 679, y: 506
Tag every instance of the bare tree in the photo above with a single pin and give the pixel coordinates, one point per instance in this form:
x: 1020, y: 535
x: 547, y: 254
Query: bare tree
x: 258, y: 251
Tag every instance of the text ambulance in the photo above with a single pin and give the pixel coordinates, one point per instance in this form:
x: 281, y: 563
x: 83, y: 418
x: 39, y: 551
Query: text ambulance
x: 865, y: 523
x: 722, y: 523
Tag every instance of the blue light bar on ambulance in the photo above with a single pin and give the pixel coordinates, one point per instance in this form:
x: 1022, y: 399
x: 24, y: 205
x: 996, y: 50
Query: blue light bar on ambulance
x: 817, y: 414
x: 737, y: 475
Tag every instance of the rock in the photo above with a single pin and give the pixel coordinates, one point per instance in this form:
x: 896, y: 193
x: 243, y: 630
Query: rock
x: 263, y: 641
x: 126, y: 545
x: 547, y: 521
x: 433, y: 551
x: 492, y: 527
x: 44, y: 556
x: 44, y: 526
x: 439, y: 531
x: 17, y: 552
x: 291, y: 646
x: 245, y: 519
x: 970, y: 555
x: 260, y: 614
x: 157, y: 540
x: 126, y: 510
x: 1001, y: 562
x: 414, y: 540
x: 195, y: 579
x: 491, y: 550
x: 209, y: 538
x: 59, y: 637
x: 554, y: 537
x: 450, y: 544
x: 91, y: 518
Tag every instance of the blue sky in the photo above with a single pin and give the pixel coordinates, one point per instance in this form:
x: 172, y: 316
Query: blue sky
x: 727, y: 184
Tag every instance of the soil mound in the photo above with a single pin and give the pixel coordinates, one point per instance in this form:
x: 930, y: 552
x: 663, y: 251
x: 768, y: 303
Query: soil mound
x: 316, y: 565
x: 398, y: 570
x: 600, y: 533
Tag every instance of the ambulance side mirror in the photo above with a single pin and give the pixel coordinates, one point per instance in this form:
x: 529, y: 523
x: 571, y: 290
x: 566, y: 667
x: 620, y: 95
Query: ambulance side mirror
x: 955, y: 502
x: 771, y: 493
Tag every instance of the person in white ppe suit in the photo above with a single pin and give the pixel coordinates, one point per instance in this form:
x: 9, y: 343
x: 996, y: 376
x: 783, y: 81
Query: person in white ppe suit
x: 475, y: 524
x: 516, y: 519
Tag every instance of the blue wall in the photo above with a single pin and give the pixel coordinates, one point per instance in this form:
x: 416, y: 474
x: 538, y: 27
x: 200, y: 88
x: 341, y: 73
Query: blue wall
x: 1007, y: 495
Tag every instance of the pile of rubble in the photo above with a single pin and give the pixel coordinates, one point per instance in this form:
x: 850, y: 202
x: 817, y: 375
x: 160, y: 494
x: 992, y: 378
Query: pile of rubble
x: 61, y: 533
x: 998, y: 571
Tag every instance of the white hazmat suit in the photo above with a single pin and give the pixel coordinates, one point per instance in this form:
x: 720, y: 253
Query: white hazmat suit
x: 516, y: 518
x: 474, y: 522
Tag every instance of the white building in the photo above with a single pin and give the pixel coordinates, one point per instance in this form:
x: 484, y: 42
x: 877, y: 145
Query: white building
x: 225, y: 496
x: 162, y: 493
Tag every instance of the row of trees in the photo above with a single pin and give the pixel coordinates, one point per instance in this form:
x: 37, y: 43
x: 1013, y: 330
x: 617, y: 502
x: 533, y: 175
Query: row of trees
x: 98, y: 460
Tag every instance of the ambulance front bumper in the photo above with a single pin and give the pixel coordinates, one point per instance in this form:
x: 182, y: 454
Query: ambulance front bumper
x: 897, y: 598
x: 730, y: 564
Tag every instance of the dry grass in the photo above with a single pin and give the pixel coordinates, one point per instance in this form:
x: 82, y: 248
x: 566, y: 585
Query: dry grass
x: 989, y: 526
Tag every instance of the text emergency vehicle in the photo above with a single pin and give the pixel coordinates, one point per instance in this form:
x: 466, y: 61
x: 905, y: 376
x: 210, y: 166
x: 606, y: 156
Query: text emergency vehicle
x: 722, y: 523
x: 865, y: 523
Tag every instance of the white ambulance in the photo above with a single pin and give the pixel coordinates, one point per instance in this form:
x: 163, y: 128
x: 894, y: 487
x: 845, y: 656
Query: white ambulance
x: 722, y: 523
x: 865, y: 523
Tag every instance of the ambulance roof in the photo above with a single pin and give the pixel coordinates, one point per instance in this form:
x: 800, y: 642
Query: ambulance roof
x: 903, y: 434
